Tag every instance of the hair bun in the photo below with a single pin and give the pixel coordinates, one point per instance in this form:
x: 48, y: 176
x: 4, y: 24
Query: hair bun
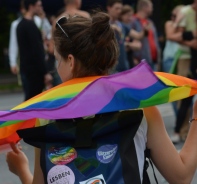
x: 101, y: 31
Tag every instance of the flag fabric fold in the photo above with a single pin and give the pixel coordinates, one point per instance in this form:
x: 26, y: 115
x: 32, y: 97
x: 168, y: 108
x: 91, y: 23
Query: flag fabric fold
x: 132, y: 89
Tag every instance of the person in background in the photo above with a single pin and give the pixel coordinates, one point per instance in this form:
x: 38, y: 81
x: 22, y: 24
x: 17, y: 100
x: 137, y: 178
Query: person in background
x: 150, y: 46
x: 131, y: 44
x: 31, y: 52
x: 171, y: 51
x: 114, y: 9
x: 187, y: 65
x: 50, y: 58
x: 41, y: 22
x: 72, y: 8
x: 13, y: 44
x: 187, y: 17
x: 171, y: 47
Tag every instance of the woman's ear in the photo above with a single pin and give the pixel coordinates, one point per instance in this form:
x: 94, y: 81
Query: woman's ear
x: 71, y: 60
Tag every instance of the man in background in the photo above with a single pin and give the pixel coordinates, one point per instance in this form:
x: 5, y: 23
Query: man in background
x: 114, y: 9
x: 31, y: 52
x: 150, y: 45
x: 41, y: 22
x: 72, y: 7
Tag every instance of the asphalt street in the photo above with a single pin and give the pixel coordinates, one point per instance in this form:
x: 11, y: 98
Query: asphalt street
x: 8, y: 101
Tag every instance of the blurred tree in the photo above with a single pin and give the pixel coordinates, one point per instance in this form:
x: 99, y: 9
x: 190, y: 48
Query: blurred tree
x: 5, y: 21
x: 168, y: 5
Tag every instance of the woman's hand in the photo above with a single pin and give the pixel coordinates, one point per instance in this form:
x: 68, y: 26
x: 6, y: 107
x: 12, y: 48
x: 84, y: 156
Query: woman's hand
x: 17, y: 160
x: 19, y: 164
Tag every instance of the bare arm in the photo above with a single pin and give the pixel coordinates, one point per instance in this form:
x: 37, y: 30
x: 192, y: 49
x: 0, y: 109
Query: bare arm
x: 172, y: 33
x: 136, y: 35
x: 134, y: 45
x: 175, y: 34
x: 176, y: 167
x: 192, y: 44
x: 174, y: 29
x: 18, y: 164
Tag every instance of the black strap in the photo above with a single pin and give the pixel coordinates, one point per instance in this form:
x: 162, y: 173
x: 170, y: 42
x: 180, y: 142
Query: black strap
x: 84, y: 133
x: 146, y: 165
x: 130, y: 167
x: 153, y: 171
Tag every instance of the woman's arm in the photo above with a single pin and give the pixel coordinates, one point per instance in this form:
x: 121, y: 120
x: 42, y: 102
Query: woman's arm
x: 192, y: 44
x: 134, y: 45
x: 19, y: 164
x: 172, y: 33
x: 190, y: 39
x: 177, y: 168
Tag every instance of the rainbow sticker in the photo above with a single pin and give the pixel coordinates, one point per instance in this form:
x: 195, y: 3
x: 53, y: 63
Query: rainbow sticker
x: 96, y: 180
x: 62, y: 155
x: 86, y: 165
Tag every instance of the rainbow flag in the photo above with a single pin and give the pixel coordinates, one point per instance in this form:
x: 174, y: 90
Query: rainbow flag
x: 135, y: 88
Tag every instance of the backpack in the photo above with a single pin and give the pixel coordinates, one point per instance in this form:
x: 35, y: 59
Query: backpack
x: 96, y: 150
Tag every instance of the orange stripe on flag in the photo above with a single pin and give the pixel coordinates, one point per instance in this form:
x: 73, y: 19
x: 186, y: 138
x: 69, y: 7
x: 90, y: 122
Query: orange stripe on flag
x: 176, y: 79
x: 10, y: 130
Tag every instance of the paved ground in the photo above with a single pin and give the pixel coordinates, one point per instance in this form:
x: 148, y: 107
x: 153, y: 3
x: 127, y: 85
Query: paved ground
x: 8, y: 101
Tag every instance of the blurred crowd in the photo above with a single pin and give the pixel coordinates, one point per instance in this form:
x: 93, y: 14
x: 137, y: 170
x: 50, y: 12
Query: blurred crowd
x: 136, y: 34
x: 179, y: 57
x: 31, y: 46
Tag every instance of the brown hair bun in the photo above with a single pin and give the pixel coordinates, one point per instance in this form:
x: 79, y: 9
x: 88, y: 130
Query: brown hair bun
x: 91, y: 41
x: 101, y: 33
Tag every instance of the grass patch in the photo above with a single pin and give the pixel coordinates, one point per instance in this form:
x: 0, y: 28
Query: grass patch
x: 10, y: 87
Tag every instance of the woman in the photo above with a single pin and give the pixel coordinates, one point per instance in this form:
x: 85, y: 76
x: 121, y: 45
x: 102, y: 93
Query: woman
x: 87, y: 47
x: 171, y: 47
x: 187, y: 38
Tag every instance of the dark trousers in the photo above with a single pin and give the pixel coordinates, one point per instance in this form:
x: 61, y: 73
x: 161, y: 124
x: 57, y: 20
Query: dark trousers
x: 182, y: 112
x: 33, y: 84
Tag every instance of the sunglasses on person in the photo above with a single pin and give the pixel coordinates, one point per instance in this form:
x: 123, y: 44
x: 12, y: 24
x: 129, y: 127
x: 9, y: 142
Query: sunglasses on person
x: 61, y: 21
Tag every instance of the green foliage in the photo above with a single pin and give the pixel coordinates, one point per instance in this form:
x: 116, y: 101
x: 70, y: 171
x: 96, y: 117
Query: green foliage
x: 5, y: 22
x: 168, y: 6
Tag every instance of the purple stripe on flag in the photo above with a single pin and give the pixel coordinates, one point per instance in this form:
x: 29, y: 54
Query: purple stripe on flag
x: 93, y: 98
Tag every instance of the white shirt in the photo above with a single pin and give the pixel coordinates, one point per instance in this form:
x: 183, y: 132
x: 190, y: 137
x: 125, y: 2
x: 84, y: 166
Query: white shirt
x: 13, y: 44
x: 140, y: 141
x: 44, y: 25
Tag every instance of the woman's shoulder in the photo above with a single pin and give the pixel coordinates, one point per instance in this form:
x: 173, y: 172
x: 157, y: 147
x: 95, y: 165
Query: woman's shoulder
x: 152, y: 114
